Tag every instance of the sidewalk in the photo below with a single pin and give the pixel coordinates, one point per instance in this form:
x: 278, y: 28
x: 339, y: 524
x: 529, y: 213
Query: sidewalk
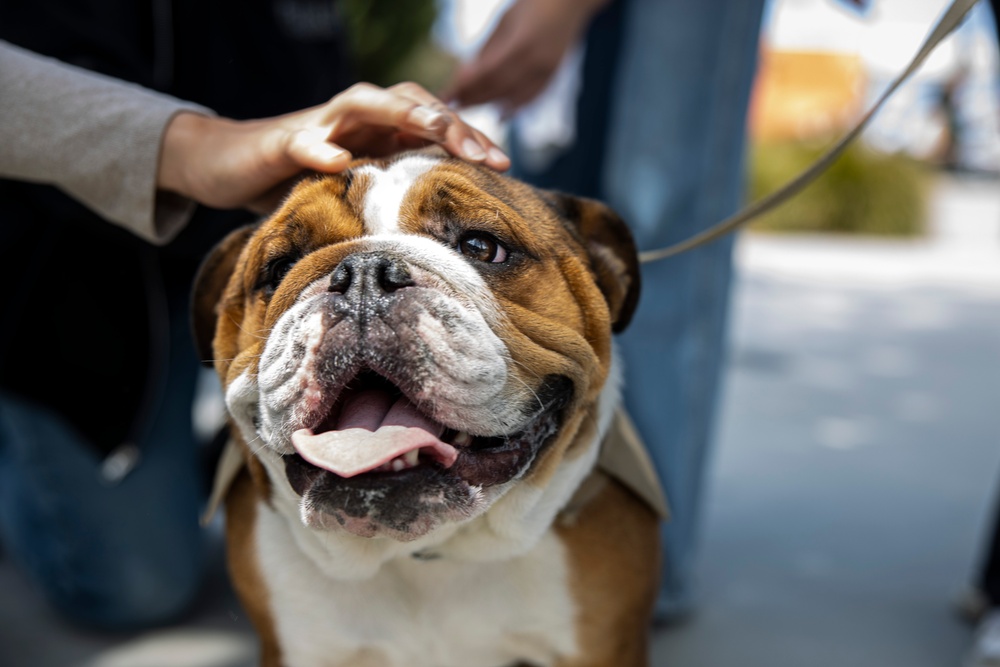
x: 859, y: 445
x: 858, y: 450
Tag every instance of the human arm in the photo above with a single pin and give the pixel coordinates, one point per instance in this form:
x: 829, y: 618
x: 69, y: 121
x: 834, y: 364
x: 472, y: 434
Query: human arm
x: 94, y: 137
x: 523, y: 52
x: 141, y: 159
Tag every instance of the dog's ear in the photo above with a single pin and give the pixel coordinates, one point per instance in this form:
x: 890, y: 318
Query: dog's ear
x: 209, y: 284
x: 613, y: 255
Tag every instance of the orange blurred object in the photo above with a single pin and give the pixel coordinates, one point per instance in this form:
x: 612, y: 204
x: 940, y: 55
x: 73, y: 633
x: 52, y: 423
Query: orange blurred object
x: 805, y: 94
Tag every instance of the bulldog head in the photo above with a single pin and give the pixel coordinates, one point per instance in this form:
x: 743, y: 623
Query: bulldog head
x: 403, y: 343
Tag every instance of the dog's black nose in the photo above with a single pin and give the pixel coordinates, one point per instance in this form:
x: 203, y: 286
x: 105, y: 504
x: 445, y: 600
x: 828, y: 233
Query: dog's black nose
x: 372, y: 273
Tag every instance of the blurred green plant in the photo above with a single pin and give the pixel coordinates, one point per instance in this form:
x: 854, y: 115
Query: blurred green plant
x: 863, y: 192
x: 391, y: 41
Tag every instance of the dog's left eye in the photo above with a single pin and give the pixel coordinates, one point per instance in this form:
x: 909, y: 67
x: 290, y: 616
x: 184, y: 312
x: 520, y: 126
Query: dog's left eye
x: 482, y: 247
x: 275, y: 271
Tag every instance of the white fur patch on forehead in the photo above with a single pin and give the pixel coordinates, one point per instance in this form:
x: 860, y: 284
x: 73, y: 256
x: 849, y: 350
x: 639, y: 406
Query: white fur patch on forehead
x: 388, y: 188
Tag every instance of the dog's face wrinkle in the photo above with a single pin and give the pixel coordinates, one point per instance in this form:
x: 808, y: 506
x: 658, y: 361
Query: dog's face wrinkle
x: 393, y: 347
x: 394, y: 344
x: 363, y: 334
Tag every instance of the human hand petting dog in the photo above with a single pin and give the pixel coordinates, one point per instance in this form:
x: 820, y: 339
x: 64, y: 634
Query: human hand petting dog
x: 522, y: 53
x: 226, y: 163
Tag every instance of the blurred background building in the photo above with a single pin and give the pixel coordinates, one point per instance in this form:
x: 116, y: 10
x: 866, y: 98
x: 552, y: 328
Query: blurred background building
x: 836, y: 60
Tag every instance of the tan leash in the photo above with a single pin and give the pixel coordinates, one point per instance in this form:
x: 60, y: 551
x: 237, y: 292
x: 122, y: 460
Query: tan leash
x: 950, y: 20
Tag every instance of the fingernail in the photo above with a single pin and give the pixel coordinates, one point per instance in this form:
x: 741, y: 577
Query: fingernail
x: 430, y: 119
x: 472, y: 150
x: 498, y: 155
x: 328, y: 153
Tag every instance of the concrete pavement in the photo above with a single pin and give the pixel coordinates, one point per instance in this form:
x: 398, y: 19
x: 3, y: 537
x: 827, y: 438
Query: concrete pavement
x: 859, y: 448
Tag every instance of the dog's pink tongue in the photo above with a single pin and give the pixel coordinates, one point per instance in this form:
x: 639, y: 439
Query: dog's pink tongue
x: 372, y: 430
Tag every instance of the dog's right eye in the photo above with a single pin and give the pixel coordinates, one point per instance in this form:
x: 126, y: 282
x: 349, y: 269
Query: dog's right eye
x: 274, y: 272
x: 483, y: 247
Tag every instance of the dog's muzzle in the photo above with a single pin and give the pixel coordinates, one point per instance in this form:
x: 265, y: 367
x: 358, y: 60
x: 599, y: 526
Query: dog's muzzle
x: 391, y: 393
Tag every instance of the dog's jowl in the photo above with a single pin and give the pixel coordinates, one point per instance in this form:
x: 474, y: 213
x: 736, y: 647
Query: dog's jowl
x: 418, y: 365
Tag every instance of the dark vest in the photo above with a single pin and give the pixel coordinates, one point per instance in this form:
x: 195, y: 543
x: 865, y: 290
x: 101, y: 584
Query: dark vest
x: 82, y: 312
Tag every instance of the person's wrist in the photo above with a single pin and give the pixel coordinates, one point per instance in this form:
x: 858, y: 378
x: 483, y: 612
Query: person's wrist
x: 183, y: 137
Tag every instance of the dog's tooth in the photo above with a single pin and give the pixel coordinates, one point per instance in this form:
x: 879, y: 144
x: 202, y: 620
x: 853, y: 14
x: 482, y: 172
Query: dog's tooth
x: 462, y: 439
x: 411, y: 457
x: 398, y: 464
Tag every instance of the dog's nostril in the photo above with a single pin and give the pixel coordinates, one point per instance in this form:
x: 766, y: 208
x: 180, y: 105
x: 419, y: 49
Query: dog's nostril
x: 340, y: 281
x: 393, y: 275
x: 370, y: 273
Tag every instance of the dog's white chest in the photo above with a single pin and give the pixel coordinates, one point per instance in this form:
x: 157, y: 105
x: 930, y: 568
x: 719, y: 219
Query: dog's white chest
x: 413, y: 613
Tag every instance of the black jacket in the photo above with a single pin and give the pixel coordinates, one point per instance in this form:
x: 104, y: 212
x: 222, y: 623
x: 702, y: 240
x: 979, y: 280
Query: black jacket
x: 83, y: 314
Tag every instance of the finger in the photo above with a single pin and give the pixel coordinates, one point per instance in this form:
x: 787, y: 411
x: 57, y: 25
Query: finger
x: 310, y: 149
x: 364, y: 104
x: 411, y: 110
x: 470, y: 144
x: 495, y: 157
x: 418, y: 93
x: 427, y: 100
x: 461, y: 139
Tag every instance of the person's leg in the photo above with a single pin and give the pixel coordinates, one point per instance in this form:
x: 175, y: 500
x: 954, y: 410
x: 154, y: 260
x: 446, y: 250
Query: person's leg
x: 674, y: 165
x: 660, y: 137
x: 981, y: 605
x: 110, y: 556
x: 988, y: 579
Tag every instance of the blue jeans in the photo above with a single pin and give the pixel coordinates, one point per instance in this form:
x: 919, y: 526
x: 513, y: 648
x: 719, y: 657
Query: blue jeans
x: 115, y: 557
x: 661, y: 133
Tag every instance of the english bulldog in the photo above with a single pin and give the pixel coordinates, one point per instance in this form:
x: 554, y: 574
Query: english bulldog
x: 418, y: 366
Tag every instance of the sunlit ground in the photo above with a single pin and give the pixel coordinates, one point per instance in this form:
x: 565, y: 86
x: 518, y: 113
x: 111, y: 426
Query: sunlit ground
x: 859, y: 448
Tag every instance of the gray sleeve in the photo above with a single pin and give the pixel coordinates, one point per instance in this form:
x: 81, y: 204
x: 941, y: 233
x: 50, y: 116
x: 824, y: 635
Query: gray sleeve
x: 96, y: 138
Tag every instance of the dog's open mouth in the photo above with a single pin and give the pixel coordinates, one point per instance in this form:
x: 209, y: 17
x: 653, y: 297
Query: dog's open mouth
x: 373, y: 427
x: 373, y: 433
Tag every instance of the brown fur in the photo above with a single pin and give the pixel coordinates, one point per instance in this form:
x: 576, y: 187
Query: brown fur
x: 614, y: 552
x: 241, y: 518
x: 213, y: 275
